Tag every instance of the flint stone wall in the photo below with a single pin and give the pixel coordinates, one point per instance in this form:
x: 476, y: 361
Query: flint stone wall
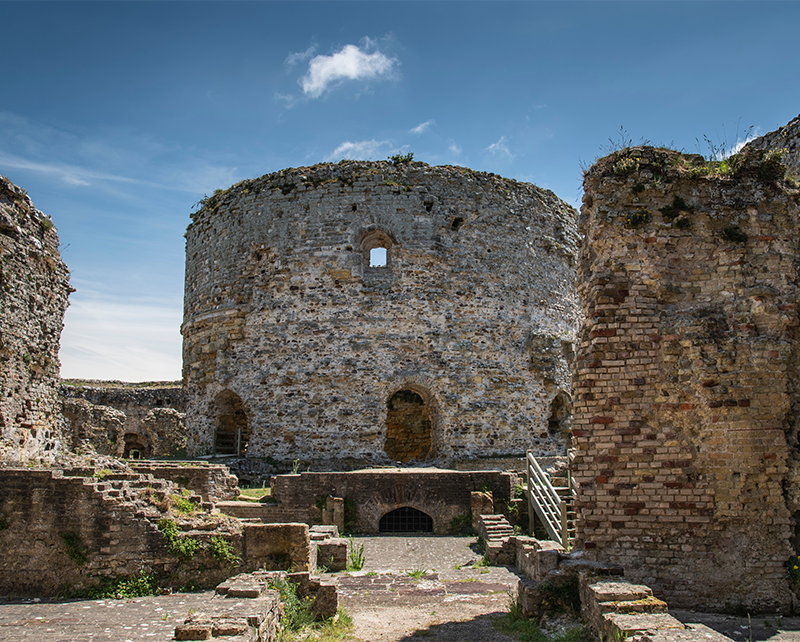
x: 475, y: 311
x: 685, y: 415
x: 784, y: 138
x: 443, y: 495
x: 34, y: 284
x: 40, y: 510
x: 101, y: 416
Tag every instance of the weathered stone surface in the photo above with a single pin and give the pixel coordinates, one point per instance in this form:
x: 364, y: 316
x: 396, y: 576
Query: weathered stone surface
x: 686, y: 375
x: 70, y: 528
x: 34, y: 284
x: 784, y: 138
x: 296, y: 348
x: 152, y: 417
x: 332, y: 554
x: 443, y: 495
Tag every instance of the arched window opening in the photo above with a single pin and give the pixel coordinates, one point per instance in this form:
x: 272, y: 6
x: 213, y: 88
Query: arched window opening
x: 408, y: 427
x: 376, y: 250
x: 231, y: 425
x: 560, y: 420
x: 406, y: 520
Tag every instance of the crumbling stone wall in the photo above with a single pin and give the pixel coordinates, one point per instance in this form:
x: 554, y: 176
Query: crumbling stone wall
x: 294, y: 344
x: 148, y: 420
x: 784, y: 138
x: 686, y: 386
x: 63, y: 530
x: 34, y: 284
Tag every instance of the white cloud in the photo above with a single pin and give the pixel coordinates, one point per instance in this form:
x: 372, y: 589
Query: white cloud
x: 455, y: 149
x: 351, y: 63
x: 70, y: 174
x: 293, y: 58
x: 104, y: 338
x: 422, y: 127
x: 741, y: 143
x: 500, y: 148
x: 361, y: 150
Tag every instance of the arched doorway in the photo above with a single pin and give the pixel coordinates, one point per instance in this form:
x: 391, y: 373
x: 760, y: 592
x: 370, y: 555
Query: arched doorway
x: 406, y: 520
x: 134, y: 447
x: 231, y: 424
x: 408, y: 427
x: 560, y: 420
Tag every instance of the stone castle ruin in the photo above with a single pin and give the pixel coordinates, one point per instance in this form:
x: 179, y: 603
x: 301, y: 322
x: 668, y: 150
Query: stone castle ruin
x: 34, y: 284
x: 453, y: 346
x: 393, y: 313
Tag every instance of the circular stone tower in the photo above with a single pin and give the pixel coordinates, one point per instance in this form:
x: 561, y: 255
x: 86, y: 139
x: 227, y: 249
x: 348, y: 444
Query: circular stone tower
x: 376, y: 312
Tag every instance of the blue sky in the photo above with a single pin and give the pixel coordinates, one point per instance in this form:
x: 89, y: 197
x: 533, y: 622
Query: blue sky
x: 118, y: 117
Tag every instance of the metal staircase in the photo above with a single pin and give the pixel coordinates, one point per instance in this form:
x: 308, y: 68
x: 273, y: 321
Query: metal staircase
x: 552, y: 503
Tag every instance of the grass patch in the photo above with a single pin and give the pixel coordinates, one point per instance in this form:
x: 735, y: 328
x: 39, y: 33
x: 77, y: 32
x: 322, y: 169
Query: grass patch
x: 514, y: 623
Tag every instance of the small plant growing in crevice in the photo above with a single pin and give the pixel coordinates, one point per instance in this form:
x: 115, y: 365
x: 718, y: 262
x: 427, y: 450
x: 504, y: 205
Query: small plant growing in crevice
x: 177, y: 545
x: 222, y: 551
x: 671, y: 212
x: 734, y: 234
x: 793, y: 572
x: 683, y: 223
x: 76, y: 551
x: 355, y: 558
x: 183, y: 505
x: 625, y: 166
x: 4, y: 522
x: 637, y: 218
x: 297, y: 613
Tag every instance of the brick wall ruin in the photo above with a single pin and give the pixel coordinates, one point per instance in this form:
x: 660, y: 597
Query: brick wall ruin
x: 686, y: 382
x: 125, y: 420
x: 67, y: 529
x: 296, y: 347
x: 369, y: 495
x: 34, y: 284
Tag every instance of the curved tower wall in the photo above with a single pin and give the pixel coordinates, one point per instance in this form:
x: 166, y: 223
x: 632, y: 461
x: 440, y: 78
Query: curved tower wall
x: 34, y: 284
x: 289, y: 328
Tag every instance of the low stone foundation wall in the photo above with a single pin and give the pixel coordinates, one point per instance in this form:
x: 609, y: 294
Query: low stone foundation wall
x: 213, y: 482
x: 61, y: 532
x: 443, y: 495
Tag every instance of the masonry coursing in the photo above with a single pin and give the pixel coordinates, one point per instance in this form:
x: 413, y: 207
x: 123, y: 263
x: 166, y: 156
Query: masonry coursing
x: 34, y: 284
x: 686, y: 378
x: 474, y: 312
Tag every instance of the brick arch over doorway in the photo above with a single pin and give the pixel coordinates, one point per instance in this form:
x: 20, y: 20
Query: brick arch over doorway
x: 409, y: 425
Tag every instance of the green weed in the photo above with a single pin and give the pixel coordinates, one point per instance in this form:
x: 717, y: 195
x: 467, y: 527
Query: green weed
x: 355, y: 558
x: 222, y: 550
x: 177, y: 545
x: 76, y: 551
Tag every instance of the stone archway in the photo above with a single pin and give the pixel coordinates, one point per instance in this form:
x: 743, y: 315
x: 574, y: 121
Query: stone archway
x: 231, y: 424
x: 408, y: 426
x: 406, y: 520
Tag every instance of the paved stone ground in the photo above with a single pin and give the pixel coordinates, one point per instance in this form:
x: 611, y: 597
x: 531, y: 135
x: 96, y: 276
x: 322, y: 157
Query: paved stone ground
x: 147, y: 618
x: 422, y: 587
x: 450, y: 601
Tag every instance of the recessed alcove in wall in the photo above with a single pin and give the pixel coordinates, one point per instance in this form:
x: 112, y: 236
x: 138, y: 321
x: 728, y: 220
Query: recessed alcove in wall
x: 559, y: 422
x: 231, y: 424
x: 408, y: 426
x: 406, y: 520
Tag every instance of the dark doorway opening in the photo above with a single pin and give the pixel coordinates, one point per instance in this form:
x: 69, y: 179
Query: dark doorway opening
x: 232, y: 427
x: 408, y: 427
x: 406, y: 520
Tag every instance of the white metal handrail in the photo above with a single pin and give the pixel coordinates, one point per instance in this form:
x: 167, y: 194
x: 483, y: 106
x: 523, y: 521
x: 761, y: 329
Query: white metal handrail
x: 550, y: 508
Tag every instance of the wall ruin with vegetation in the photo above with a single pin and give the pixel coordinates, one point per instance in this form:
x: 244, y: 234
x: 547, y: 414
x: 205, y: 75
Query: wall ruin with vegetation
x: 34, y: 284
x: 131, y: 420
x: 686, y: 381
x: 297, y: 347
